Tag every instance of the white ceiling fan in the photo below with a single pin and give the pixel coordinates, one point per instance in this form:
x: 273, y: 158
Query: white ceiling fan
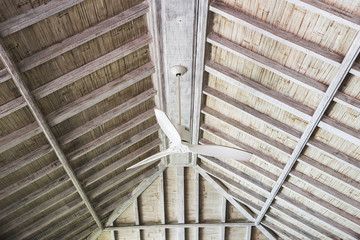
x: 177, y: 145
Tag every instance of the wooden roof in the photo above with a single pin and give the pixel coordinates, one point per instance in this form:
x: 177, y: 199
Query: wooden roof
x: 78, y: 84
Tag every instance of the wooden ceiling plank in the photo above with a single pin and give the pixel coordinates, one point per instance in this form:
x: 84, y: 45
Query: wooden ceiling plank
x: 91, y: 67
x: 52, y: 217
x: 263, y: 199
x: 133, y: 178
x: 117, y: 149
x: 54, y: 166
x: 243, y: 210
x: 281, y: 70
x: 279, y: 100
x: 329, y: 11
x: 294, y: 173
x: 278, y: 125
x: 37, y: 210
x: 334, y: 153
x: 77, y: 106
x: 284, y: 102
x: 180, y: 225
x: 239, y: 207
x: 19, y: 136
x: 107, y: 116
x: 99, y: 204
x: 319, y: 112
x: 134, y: 194
x: 34, y: 15
x: 289, y: 131
x: 267, y: 63
x: 80, y: 38
x: 25, y: 160
x: 100, y: 94
x: 121, y: 164
x: 12, y: 106
x: 29, y: 179
x: 279, y: 229
x: 180, y: 183
x: 279, y: 35
x: 110, y: 135
x: 73, y: 232
x: 313, y: 198
x: 281, y: 147
x: 243, y: 128
x: 25, y: 92
x: 37, y: 194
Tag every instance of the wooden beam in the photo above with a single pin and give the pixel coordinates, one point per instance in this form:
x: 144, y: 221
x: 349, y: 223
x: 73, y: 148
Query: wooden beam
x: 277, y: 34
x: 319, y: 112
x: 12, y: 106
x: 279, y: 229
x: 19, y: 136
x: 25, y: 160
x: 162, y: 203
x: 78, y: 39
x: 25, y: 92
x: 281, y: 70
x: 34, y: 15
x: 284, y: 102
x: 91, y: 67
x: 135, y: 193
x: 107, y: 116
x: 68, y: 193
x: 110, y: 135
x: 248, y: 233
x: 223, y: 218
x: 137, y: 219
x: 329, y: 11
x: 294, y: 173
x: 280, y: 147
x: 279, y: 100
x: 201, y: 21
x: 180, y: 183
x: 37, y: 194
x: 289, y: 131
x: 197, y: 203
x: 249, y: 111
x: 117, y: 148
x: 181, y: 226
x: 77, y: 106
x: 29, y: 179
x: 243, y: 210
x: 263, y: 199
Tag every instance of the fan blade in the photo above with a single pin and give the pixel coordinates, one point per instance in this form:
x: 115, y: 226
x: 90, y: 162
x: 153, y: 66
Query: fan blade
x: 220, y: 152
x: 152, y: 158
x: 167, y: 127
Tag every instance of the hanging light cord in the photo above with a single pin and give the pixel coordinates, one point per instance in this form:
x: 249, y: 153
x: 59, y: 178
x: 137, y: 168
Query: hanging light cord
x: 179, y: 101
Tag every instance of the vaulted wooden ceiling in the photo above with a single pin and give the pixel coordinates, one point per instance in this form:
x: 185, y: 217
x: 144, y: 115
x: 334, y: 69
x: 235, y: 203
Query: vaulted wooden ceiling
x: 78, y: 84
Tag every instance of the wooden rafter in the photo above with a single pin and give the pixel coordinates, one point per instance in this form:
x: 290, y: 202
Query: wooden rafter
x: 280, y: 100
x: 319, y: 112
x: 180, y: 189
x: 181, y: 226
x: 34, y: 15
x: 129, y: 199
x: 17, y: 78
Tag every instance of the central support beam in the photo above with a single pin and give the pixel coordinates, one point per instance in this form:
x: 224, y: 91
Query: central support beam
x: 314, y: 121
x: 25, y: 92
x: 180, y: 226
x: 181, y: 201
